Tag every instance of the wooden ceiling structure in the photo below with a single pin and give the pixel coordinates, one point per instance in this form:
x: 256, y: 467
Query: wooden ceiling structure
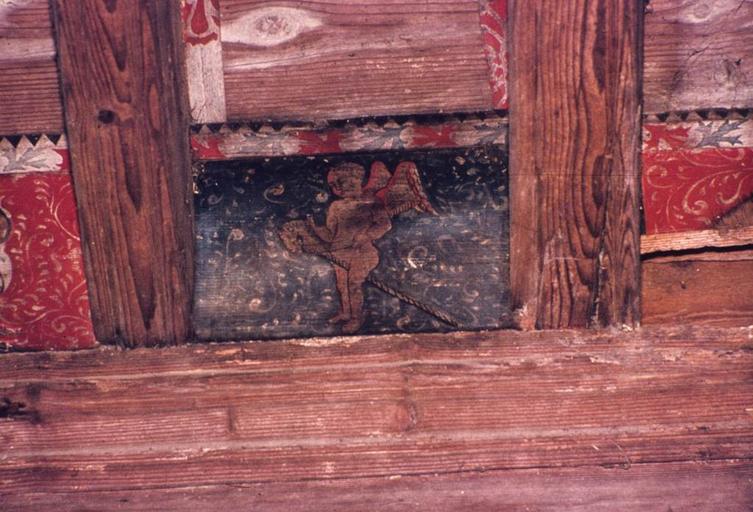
x: 581, y: 409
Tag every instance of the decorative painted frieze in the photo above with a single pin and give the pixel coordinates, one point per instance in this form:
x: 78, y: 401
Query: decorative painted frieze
x: 695, y: 172
x: 203, y: 51
x: 494, y: 31
x: 241, y: 140
x: 43, y: 295
x: 33, y: 153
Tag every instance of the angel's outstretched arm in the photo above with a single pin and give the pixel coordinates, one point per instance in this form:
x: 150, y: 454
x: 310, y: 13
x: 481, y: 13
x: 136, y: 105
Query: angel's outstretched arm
x: 323, y: 232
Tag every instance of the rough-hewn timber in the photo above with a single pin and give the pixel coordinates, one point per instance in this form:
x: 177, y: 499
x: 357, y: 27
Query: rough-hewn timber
x: 127, y: 124
x: 198, y: 418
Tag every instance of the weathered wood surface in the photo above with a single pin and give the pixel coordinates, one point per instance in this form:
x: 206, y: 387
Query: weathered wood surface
x: 314, y: 60
x: 739, y: 219
x: 725, y: 237
x: 127, y: 124
x: 29, y: 89
x: 574, y: 141
x: 699, y: 54
x: 114, y: 422
x: 697, y: 487
x: 708, y: 288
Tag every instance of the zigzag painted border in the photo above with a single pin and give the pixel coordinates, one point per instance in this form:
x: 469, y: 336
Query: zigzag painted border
x: 238, y: 140
x: 727, y: 133
x: 696, y: 116
x: 33, y: 153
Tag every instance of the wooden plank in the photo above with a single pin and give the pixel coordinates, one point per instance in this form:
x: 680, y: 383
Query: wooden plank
x: 696, y: 240
x: 353, y: 408
x: 346, y: 58
x: 29, y: 87
x: 707, y: 288
x: 203, y: 49
x: 127, y: 123
x: 246, y: 141
x: 706, y: 487
x: 699, y: 54
x: 574, y: 141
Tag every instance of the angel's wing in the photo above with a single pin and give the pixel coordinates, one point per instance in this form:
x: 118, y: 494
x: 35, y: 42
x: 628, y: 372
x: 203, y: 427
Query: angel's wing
x: 404, y: 191
x: 379, y: 177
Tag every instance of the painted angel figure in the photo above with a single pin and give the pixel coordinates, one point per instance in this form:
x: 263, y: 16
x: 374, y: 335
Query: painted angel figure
x: 361, y: 216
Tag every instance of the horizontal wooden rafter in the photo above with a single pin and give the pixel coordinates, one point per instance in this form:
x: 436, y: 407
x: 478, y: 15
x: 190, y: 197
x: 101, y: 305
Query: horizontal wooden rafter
x: 699, y: 487
x: 342, y: 408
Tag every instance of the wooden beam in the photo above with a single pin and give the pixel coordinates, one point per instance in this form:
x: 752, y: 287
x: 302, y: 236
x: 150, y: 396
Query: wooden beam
x: 126, y: 117
x: 661, y: 487
x: 242, y: 414
x: 574, y: 142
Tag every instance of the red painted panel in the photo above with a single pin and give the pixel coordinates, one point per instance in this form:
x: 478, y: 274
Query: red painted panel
x: 44, y: 302
x: 494, y: 30
x: 688, y: 189
x: 201, y: 21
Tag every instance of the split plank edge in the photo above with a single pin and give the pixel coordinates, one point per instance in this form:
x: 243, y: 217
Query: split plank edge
x: 665, y: 242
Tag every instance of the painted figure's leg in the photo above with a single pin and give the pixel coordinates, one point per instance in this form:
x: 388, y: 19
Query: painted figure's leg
x: 341, y: 278
x: 367, y: 260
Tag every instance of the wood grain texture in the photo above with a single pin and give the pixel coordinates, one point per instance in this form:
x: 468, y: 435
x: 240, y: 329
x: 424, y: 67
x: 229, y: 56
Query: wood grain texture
x: 699, y: 54
x: 725, y: 237
x: 127, y: 124
x: 739, y: 219
x: 706, y: 288
x: 29, y: 88
x: 346, y: 58
x: 240, y: 414
x: 697, y: 487
x: 574, y: 141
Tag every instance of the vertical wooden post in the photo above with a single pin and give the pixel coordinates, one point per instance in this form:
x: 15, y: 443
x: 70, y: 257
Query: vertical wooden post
x: 126, y: 110
x: 574, y: 139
